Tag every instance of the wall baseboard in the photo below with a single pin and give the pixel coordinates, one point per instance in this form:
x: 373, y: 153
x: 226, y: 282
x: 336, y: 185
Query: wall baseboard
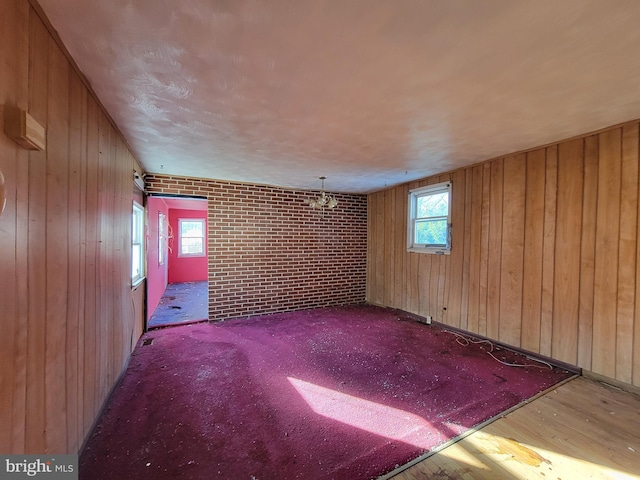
x: 627, y: 387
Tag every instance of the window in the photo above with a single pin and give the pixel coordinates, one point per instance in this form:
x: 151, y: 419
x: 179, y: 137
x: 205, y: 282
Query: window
x: 137, y: 244
x: 429, y: 224
x: 191, y: 237
x: 162, y: 236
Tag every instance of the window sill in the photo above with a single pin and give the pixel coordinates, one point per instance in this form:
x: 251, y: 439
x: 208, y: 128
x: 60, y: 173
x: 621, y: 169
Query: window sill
x: 137, y: 283
x: 431, y: 250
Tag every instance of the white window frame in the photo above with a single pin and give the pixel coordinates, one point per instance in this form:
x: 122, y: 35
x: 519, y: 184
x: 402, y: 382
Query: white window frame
x: 414, y: 195
x: 204, y: 237
x: 137, y: 242
x: 162, y: 237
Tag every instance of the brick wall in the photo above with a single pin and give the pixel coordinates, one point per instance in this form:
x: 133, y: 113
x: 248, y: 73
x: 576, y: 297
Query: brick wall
x: 270, y: 252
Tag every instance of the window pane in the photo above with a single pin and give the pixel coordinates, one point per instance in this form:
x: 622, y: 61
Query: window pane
x: 191, y: 236
x: 191, y: 246
x: 137, y: 243
x: 436, y: 205
x: 161, y: 237
x: 136, y: 261
x: 431, y: 232
x: 192, y: 229
x: 135, y: 234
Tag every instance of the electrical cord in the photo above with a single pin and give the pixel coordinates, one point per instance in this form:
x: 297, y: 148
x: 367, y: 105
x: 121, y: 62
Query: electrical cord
x: 466, y: 341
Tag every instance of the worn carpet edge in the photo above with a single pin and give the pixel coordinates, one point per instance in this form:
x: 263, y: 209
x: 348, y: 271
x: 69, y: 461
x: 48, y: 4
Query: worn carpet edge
x: 473, y: 430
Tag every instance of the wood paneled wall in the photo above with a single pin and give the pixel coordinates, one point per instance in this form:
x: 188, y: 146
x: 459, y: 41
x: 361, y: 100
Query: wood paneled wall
x: 68, y: 316
x: 544, y: 253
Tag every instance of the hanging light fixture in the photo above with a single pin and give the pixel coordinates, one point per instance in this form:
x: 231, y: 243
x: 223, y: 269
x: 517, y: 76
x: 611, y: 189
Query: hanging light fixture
x: 324, y: 200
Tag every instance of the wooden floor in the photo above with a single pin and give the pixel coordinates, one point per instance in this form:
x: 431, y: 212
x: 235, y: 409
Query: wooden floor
x: 582, y: 429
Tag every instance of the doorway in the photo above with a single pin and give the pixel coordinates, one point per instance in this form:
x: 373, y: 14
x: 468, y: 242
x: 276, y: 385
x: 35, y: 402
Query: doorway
x: 177, y: 265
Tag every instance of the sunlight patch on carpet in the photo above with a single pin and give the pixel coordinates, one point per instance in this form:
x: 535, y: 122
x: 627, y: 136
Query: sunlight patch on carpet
x: 369, y: 416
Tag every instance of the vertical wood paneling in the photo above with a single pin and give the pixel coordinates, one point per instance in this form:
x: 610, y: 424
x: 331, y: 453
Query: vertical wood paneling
x: 454, y: 299
x: 77, y: 256
x: 545, y: 253
x: 587, y: 251
x: 8, y: 233
x: 371, y: 264
x: 400, y: 246
x: 389, y: 235
x: 484, y: 248
x: 466, y: 254
x: 635, y: 374
x: 21, y: 50
x: 13, y: 234
x: 433, y: 268
x: 51, y: 388
x: 495, y: 249
x: 378, y: 235
x: 548, y: 248
x: 607, y: 246
x: 416, y: 278
x: 511, y: 279
x: 474, y: 252
x: 73, y: 254
x: 38, y: 93
x: 533, y: 242
x: 564, y: 344
x: 424, y: 285
x: 57, y: 259
x: 474, y: 240
x: 92, y: 311
x: 627, y: 253
x: 443, y: 268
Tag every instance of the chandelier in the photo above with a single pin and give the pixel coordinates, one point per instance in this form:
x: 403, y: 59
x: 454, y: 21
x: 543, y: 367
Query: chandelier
x: 324, y: 200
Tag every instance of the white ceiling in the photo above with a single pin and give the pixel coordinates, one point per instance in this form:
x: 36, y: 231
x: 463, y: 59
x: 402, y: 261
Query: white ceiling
x: 370, y: 93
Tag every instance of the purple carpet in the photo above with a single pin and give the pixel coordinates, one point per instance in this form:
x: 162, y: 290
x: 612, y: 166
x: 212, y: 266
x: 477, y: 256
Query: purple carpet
x: 333, y: 393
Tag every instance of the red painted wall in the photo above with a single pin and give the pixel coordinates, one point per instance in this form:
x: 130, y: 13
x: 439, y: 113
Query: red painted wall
x: 185, y: 269
x: 156, y: 273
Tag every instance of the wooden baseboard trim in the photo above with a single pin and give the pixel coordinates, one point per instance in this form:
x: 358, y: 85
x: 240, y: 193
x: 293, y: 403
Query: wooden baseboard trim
x: 556, y: 363
x: 627, y: 387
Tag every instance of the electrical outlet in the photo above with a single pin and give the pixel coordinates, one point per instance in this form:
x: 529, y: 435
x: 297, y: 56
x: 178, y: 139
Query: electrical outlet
x: 429, y: 318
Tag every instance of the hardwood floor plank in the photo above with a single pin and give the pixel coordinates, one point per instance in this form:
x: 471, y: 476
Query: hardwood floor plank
x: 582, y: 429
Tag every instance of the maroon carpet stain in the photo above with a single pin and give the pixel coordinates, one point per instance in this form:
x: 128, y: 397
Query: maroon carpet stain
x: 334, y: 393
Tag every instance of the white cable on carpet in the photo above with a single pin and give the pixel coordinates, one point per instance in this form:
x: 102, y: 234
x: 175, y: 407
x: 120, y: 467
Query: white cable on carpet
x: 465, y: 341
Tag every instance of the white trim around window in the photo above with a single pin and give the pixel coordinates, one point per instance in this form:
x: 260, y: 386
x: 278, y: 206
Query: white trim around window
x: 429, y: 219
x: 137, y: 244
x: 191, y: 237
